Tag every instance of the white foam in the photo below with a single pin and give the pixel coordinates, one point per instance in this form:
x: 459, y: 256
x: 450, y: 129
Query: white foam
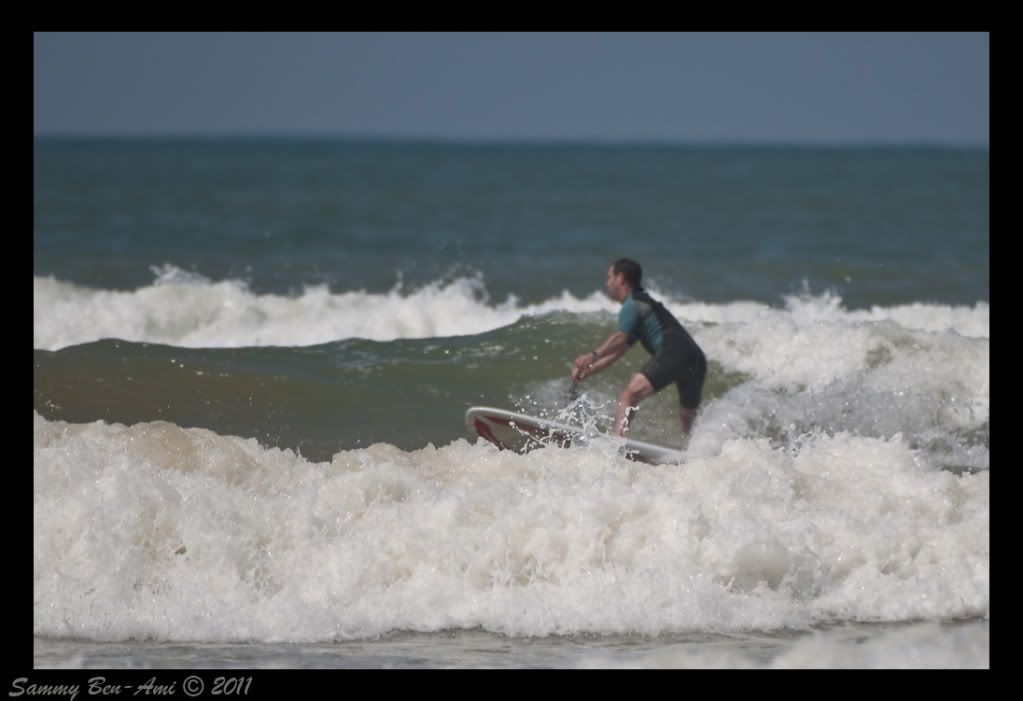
x: 190, y: 311
x: 887, y: 368
x: 185, y: 309
x: 154, y: 531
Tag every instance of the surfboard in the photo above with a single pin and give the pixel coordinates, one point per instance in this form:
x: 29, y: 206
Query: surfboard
x: 519, y: 432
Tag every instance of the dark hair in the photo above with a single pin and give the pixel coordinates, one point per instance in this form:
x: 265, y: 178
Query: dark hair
x: 630, y: 269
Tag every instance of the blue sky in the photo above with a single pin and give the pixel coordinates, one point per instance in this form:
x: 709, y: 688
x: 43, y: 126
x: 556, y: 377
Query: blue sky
x: 676, y: 87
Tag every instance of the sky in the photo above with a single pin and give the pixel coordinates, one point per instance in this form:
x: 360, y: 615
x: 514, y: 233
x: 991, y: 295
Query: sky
x: 917, y: 88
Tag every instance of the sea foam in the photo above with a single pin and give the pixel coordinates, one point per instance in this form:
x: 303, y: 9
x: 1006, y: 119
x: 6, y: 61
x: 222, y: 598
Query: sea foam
x: 161, y: 532
x: 188, y: 310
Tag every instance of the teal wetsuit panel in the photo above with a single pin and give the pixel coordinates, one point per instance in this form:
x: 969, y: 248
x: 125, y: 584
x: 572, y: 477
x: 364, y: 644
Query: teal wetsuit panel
x: 638, y: 321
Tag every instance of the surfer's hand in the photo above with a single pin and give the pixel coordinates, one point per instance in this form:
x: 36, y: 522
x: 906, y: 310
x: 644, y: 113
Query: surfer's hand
x: 580, y: 366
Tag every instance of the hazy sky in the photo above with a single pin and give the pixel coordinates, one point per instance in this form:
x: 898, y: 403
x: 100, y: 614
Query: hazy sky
x: 799, y: 87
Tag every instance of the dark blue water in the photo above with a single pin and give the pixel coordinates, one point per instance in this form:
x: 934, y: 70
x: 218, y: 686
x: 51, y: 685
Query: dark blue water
x: 877, y: 226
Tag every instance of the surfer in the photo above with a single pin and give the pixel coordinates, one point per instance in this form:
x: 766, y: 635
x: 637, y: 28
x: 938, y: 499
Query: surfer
x: 676, y: 357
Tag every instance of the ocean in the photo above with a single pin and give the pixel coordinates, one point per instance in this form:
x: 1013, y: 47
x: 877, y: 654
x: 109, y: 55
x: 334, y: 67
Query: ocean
x: 253, y: 356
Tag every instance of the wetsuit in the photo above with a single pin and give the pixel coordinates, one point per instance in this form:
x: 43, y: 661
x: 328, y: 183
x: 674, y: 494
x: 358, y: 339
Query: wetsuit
x: 676, y: 357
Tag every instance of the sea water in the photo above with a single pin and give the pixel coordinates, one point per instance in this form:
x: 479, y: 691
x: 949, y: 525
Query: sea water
x: 252, y: 359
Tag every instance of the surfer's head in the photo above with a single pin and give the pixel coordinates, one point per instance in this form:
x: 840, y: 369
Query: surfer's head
x: 623, y: 276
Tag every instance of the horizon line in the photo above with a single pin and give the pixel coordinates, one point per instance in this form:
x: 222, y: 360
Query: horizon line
x: 428, y: 139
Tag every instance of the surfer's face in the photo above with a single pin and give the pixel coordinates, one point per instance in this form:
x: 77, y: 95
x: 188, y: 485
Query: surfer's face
x: 616, y: 288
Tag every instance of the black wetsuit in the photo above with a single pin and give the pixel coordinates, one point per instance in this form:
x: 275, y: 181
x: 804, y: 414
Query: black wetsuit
x: 676, y: 357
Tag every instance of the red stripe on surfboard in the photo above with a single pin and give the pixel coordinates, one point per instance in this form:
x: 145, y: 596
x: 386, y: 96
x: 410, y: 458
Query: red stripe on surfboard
x: 536, y: 431
x: 484, y: 430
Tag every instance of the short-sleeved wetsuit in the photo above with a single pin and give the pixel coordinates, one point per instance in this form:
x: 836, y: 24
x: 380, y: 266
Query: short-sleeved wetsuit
x: 676, y: 357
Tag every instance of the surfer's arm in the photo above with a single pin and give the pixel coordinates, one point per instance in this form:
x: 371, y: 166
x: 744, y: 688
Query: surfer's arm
x: 602, y: 357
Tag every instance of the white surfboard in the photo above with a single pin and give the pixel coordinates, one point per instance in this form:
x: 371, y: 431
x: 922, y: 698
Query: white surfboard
x: 519, y: 432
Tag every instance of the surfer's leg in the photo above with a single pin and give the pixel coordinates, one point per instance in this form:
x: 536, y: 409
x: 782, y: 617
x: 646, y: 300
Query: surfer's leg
x: 638, y: 389
x: 687, y: 417
x: 690, y: 391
